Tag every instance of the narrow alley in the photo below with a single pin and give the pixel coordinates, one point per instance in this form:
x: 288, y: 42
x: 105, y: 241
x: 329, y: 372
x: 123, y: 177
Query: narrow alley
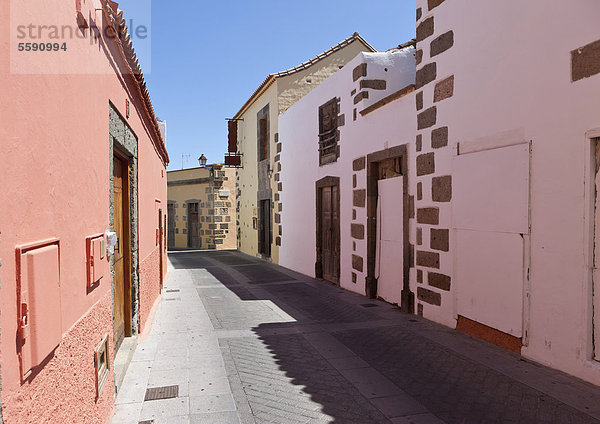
x: 236, y: 339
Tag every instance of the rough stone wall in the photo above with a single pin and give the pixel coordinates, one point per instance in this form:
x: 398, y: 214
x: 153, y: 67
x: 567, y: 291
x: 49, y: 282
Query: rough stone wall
x: 359, y: 213
x: 227, y: 226
x: 432, y: 164
x: 65, y: 392
x: 277, y: 231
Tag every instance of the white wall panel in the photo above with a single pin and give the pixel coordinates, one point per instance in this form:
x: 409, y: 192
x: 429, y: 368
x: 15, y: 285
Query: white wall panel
x: 489, y: 278
x: 491, y: 190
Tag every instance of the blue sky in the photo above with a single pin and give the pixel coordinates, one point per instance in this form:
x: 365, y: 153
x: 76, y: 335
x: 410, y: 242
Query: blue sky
x: 207, y: 58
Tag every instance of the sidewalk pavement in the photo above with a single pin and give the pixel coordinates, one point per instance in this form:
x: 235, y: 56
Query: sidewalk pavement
x: 236, y: 339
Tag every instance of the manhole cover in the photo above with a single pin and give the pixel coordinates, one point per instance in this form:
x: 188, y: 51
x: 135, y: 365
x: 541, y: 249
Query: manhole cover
x: 165, y: 392
x: 368, y: 305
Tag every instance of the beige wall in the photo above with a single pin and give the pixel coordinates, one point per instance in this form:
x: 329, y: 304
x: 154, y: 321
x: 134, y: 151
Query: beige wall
x: 217, y: 213
x: 248, y: 174
x: 280, y: 95
x: 293, y: 87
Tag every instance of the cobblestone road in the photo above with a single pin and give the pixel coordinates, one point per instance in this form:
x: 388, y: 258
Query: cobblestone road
x: 296, y: 350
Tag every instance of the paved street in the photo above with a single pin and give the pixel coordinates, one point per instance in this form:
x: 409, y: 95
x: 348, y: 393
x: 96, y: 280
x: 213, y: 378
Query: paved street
x: 246, y: 341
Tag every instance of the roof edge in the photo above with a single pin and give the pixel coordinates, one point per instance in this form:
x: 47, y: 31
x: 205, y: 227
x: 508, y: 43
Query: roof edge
x: 125, y: 46
x: 304, y: 65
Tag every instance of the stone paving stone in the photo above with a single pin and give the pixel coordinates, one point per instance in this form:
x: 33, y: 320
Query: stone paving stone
x: 164, y: 408
x: 418, y: 419
x: 209, y: 386
x: 450, y: 386
x: 318, y: 307
x: 399, y: 405
x: 315, y: 392
x: 215, y: 418
x: 127, y: 413
x: 211, y: 403
x: 262, y: 344
x: 262, y: 273
x: 180, y: 419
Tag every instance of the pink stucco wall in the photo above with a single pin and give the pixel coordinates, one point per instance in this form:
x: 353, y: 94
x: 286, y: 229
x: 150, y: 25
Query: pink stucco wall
x: 55, y: 163
x: 64, y: 392
x: 149, y: 286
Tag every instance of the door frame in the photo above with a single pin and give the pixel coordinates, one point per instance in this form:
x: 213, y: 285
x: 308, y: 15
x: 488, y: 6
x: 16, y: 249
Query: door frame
x: 170, y: 229
x: 126, y: 244
x: 265, y: 235
x: 328, y: 181
x: 188, y: 222
x: 161, y: 245
x: 373, y: 159
x: 123, y: 142
x: 591, y: 137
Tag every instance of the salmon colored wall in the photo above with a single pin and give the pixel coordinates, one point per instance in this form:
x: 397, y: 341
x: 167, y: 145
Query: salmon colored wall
x: 152, y: 197
x: 55, y: 183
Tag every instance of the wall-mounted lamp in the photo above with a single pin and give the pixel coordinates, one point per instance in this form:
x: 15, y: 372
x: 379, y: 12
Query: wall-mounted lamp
x: 269, y: 170
x: 202, y: 160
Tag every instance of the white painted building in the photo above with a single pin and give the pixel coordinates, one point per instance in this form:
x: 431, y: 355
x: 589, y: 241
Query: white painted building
x: 488, y: 172
x: 365, y: 108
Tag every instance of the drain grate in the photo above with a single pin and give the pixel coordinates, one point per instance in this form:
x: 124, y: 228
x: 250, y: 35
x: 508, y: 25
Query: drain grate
x: 165, y: 392
x: 173, y: 291
x: 368, y: 305
x: 147, y: 422
x: 171, y: 298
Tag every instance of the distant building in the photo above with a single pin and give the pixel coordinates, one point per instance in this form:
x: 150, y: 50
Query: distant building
x: 256, y: 130
x: 201, y: 208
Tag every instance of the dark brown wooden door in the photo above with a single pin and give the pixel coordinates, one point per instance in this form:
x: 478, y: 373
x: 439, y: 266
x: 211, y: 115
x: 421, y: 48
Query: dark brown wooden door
x: 264, y: 228
x: 330, y: 233
x: 171, y: 225
x: 193, y: 226
x: 161, y: 245
x: 121, y: 259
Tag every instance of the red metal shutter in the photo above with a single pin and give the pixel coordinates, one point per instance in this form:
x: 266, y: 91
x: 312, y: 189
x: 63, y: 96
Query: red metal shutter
x: 232, y: 126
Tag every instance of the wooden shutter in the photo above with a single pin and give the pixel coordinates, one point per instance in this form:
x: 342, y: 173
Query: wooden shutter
x: 232, y: 138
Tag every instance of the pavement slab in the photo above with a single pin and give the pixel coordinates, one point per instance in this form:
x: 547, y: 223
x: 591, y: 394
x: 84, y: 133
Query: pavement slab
x: 250, y: 342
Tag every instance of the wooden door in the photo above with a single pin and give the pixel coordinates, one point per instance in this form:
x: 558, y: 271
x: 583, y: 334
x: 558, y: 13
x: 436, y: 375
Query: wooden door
x: 265, y: 228
x: 193, y: 226
x: 330, y: 254
x: 121, y: 323
x: 171, y: 225
x: 160, y: 245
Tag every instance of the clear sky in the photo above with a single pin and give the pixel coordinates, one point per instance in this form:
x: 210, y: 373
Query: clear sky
x: 207, y: 58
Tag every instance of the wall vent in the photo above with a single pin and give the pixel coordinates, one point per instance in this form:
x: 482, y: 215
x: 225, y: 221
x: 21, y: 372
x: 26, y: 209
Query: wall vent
x: 102, y: 365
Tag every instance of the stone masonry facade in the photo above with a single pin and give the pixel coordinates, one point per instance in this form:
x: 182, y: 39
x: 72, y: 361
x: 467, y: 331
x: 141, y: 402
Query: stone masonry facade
x: 359, y: 214
x: 433, y: 155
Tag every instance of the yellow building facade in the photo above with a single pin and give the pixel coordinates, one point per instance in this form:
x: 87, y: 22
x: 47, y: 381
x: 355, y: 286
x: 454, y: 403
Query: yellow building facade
x: 201, y: 208
x: 258, y: 183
